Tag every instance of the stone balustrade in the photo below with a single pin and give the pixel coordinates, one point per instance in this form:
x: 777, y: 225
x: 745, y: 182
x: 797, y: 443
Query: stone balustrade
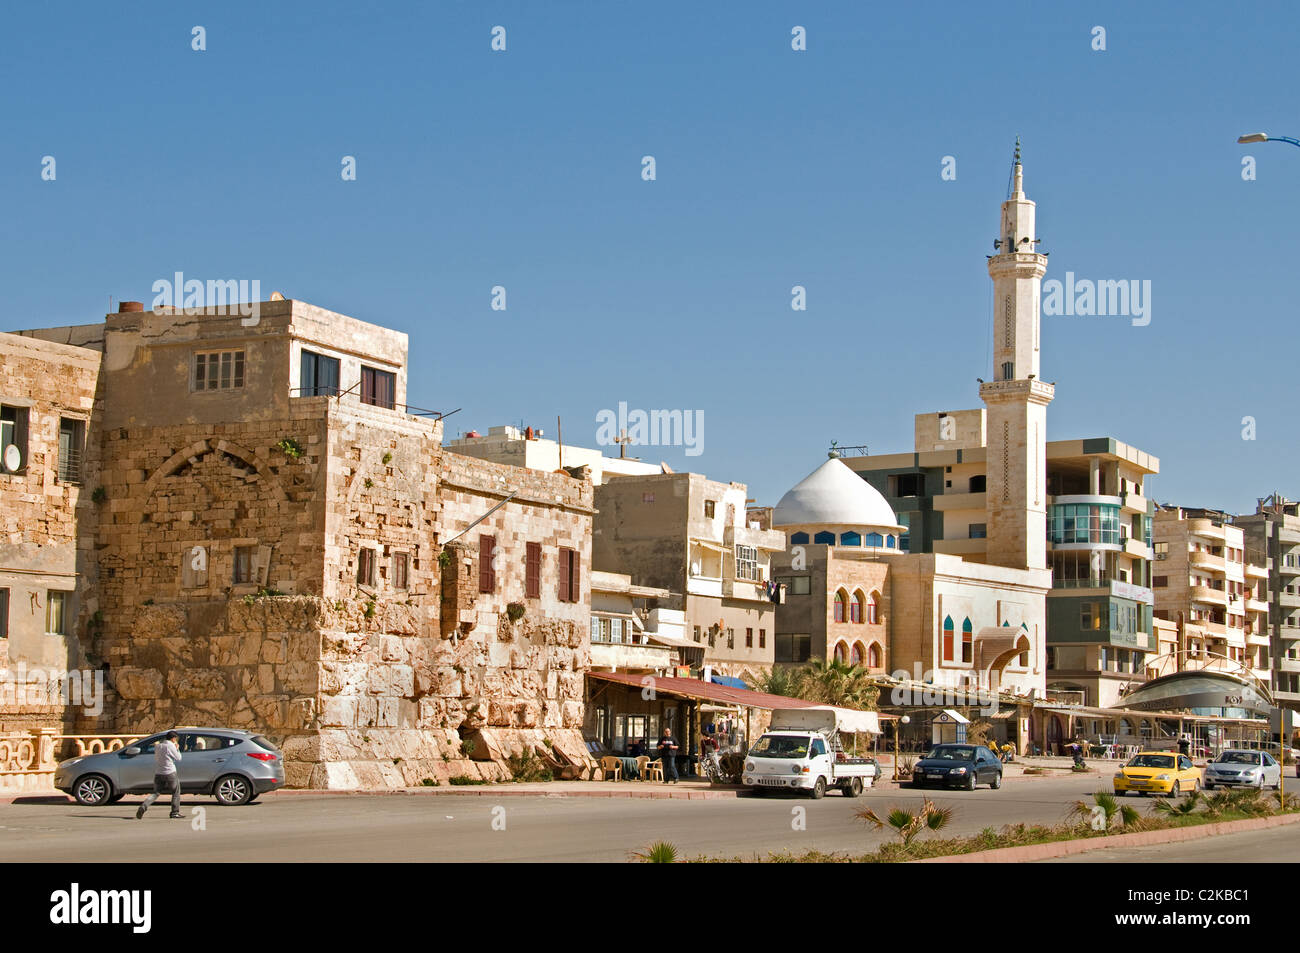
x: 28, y: 758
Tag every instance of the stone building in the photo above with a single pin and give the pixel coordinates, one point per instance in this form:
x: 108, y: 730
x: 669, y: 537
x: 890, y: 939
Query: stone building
x: 283, y: 544
x: 690, y: 535
x: 49, y: 401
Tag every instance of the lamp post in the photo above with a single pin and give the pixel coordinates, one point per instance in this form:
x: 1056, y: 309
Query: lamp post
x: 1263, y: 137
x: 898, y: 740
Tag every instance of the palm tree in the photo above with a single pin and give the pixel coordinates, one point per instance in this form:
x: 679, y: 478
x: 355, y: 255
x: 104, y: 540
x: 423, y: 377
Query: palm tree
x: 906, y: 824
x: 832, y: 682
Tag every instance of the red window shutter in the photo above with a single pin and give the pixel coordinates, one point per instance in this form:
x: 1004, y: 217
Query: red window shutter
x: 487, y: 581
x: 566, y: 567
x: 575, y: 577
x: 533, y: 574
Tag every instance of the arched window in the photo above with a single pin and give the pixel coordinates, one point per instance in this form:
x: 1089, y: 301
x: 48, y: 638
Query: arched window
x: 856, y: 613
x: 889, y: 541
x: 947, y: 638
x: 850, y: 539
x: 839, y: 652
x: 873, y: 604
x: 873, y: 656
x: 841, y: 604
x: 967, y: 641
x: 855, y: 656
x: 798, y: 538
x: 875, y: 539
x: 824, y: 537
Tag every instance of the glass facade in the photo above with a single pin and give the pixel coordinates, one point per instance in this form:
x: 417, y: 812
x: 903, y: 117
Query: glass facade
x: 1083, y: 523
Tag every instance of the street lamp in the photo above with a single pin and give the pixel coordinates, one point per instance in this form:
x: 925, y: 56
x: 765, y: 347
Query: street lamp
x: 898, y: 741
x: 1264, y: 137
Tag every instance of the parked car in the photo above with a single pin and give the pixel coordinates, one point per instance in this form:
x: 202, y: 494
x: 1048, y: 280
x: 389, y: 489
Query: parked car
x: 1245, y: 767
x: 956, y: 765
x: 233, y: 766
x: 1158, y: 772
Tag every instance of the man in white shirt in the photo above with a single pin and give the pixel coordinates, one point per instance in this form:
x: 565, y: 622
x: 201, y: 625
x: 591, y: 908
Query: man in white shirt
x: 166, y: 756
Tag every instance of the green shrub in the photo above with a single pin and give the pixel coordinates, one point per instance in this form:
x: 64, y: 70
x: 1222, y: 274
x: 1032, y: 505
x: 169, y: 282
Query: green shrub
x: 429, y: 783
x: 461, y: 780
x: 528, y: 767
x: 290, y: 448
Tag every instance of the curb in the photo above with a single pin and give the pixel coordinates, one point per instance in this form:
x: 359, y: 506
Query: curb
x: 485, y: 790
x: 1068, y: 848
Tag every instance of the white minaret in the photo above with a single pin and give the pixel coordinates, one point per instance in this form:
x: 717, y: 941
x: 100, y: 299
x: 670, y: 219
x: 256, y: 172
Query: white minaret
x: 1016, y: 398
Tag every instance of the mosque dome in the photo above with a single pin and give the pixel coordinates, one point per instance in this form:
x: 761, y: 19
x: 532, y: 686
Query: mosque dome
x: 834, y: 495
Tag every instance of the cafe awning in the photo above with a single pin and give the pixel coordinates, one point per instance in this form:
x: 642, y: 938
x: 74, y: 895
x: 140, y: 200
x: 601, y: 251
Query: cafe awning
x: 697, y: 690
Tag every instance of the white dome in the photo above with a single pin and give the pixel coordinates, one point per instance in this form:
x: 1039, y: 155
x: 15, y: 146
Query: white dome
x: 834, y: 495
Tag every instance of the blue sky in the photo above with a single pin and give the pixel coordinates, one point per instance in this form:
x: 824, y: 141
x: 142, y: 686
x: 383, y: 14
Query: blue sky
x: 775, y: 168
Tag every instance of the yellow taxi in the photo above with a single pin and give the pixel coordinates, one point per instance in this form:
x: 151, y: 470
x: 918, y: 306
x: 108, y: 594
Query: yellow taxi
x: 1158, y: 772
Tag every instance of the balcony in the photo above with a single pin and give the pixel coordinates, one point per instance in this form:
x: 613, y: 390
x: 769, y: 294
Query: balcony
x: 744, y: 589
x: 1288, y: 664
x: 1259, y: 572
x: 961, y: 501
x: 1207, y: 561
x: 1207, y: 529
x: 1205, y: 594
x: 621, y: 656
x: 1286, y: 570
x: 704, y: 586
x: 772, y: 540
x: 1133, y: 501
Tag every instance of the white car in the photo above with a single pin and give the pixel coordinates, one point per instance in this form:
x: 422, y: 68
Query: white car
x: 1241, y: 766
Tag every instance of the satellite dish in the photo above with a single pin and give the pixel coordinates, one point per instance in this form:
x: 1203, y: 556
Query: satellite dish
x: 13, y: 458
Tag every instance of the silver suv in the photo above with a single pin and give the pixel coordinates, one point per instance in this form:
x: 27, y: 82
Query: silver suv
x: 233, y: 766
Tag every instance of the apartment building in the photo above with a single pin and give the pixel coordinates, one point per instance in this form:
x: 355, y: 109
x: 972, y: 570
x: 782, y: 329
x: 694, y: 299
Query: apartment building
x: 1272, y: 535
x: 688, y: 534
x: 1204, y: 576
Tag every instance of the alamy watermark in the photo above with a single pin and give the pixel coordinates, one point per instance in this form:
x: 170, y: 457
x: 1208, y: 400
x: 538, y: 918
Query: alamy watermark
x: 918, y: 688
x: 651, y: 428
x: 1085, y: 297
x: 223, y: 297
x: 78, y: 688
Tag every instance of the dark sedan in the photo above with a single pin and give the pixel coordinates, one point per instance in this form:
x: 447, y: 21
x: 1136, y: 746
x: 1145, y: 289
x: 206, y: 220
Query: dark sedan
x: 963, y: 766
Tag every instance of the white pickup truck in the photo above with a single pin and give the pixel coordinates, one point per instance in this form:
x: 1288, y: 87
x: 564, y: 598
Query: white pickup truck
x: 801, y: 752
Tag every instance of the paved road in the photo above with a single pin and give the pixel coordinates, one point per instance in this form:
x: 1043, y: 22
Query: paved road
x: 1276, y: 845
x: 443, y: 827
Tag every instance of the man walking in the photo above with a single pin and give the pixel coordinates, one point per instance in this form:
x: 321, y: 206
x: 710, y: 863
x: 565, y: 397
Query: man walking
x: 165, y: 758
x: 668, y: 754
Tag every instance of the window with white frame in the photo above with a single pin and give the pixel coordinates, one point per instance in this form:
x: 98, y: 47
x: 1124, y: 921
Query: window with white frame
x: 746, y: 563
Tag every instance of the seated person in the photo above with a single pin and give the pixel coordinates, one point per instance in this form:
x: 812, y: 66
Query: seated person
x: 636, y: 749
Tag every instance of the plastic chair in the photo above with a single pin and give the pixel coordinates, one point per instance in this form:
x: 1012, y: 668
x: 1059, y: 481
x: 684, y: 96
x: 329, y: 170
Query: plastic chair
x: 612, y: 767
x: 641, y: 762
x: 652, y: 770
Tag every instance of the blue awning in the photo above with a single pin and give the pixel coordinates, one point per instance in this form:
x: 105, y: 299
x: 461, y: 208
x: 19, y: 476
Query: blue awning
x: 727, y: 680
